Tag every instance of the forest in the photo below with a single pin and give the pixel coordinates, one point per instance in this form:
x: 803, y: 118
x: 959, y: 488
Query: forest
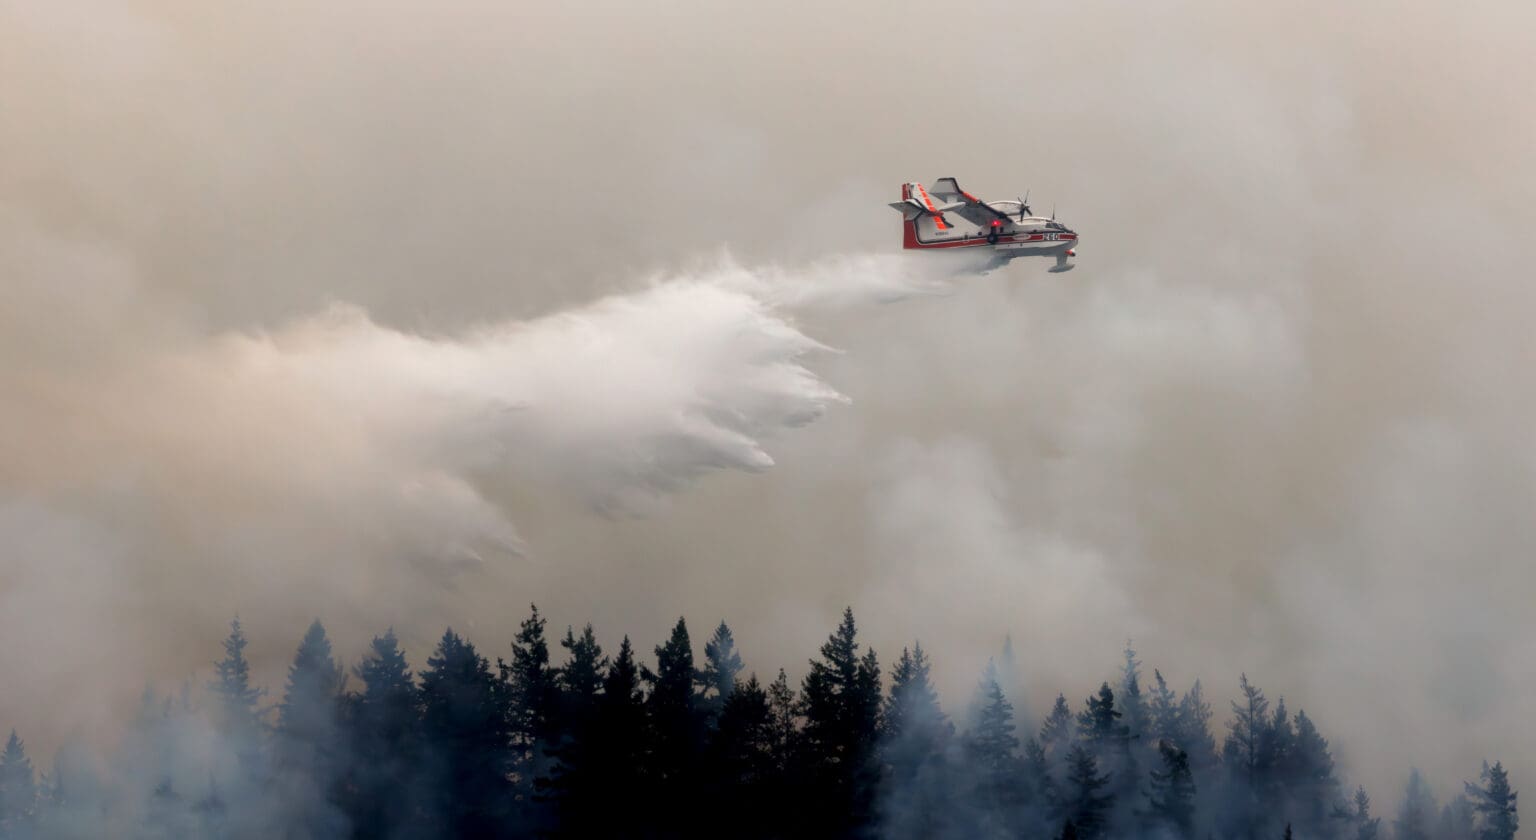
x: 595, y: 742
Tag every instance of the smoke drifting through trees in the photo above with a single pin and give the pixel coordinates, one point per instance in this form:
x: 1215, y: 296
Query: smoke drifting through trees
x: 605, y: 745
x: 1276, y: 421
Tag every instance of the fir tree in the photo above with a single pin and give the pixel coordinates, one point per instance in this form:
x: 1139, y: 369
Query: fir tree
x: 1416, y: 815
x: 1457, y: 820
x: 721, y: 666
x: 842, y: 717
x: 383, y: 726
x: 677, y: 726
x: 1099, y: 722
x: 1171, y: 799
x: 1084, y: 806
x: 235, y: 698
x: 1494, y: 804
x: 1367, y: 827
x: 1059, y: 731
x: 914, y: 737
x: 991, y: 752
x: 467, y: 737
x: 581, y: 677
x: 783, y: 721
x: 1133, y: 707
x: 532, y: 702
x: 741, y: 773
x: 1309, y: 775
x: 1194, y: 728
x: 1040, y: 783
x: 606, y: 799
x: 18, y: 789
x: 1163, y: 711
x: 1247, y: 729
x: 308, y: 739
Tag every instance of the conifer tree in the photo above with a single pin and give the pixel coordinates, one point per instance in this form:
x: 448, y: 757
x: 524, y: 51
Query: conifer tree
x: 1171, y: 799
x: 605, y: 798
x: 1133, y: 706
x: 784, y: 721
x: 722, y: 664
x: 1310, y: 777
x: 533, y: 697
x: 308, y: 738
x: 1367, y: 827
x: 1194, y: 728
x: 1163, y: 712
x: 1415, y: 817
x: 235, y: 698
x: 1099, y: 722
x: 677, y: 726
x: 842, y: 717
x: 991, y: 750
x: 914, y: 736
x: 1040, y: 783
x: 383, y: 725
x: 1244, y: 744
x: 467, y: 737
x: 580, y: 679
x: 1457, y: 820
x: 1494, y: 804
x: 18, y: 789
x: 741, y: 774
x: 1059, y: 730
x: 1084, y: 805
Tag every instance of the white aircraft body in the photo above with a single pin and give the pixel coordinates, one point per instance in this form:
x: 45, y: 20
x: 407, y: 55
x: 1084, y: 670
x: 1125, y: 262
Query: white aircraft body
x: 947, y: 217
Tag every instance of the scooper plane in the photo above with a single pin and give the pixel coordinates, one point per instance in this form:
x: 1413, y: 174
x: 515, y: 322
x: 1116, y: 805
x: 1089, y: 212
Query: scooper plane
x: 947, y: 217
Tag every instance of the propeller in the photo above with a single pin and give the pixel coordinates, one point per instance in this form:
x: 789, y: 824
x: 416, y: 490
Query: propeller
x: 1024, y: 206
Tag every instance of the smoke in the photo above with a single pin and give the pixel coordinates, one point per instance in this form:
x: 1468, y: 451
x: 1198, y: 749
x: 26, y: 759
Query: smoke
x: 400, y: 318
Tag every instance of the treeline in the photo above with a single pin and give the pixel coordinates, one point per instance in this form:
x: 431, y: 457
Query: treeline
x: 595, y: 743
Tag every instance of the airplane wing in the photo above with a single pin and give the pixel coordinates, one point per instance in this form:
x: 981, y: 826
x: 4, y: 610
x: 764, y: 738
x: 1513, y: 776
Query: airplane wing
x: 971, y: 208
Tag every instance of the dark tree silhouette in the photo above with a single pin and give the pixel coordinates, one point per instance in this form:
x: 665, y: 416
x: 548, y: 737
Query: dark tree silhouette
x: 18, y: 789
x: 308, y: 738
x: 468, y: 758
x: 1083, y: 804
x: 1494, y: 804
x: 533, y: 696
x: 722, y: 664
x: 1416, y: 816
x: 1171, y: 800
x: 1133, y: 706
x: 842, y: 718
x: 383, y: 726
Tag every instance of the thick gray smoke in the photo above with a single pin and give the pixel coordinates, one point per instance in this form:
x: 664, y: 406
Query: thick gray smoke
x: 401, y: 316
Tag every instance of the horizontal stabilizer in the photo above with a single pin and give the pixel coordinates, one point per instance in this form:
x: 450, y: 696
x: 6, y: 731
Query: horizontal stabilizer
x: 912, y: 208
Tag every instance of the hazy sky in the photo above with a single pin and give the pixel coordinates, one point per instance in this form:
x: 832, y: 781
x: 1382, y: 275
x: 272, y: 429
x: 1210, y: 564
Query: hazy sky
x: 397, y: 314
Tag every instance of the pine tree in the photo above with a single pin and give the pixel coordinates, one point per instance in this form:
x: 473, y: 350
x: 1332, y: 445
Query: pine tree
x: 532, y: 703
x: 308, y: 738
x: 1040, y: 783
x: 721, y: 666
x: 741, y: 775
x: 1417, y: 813
x: 677, y: 725
x: 1084, y: 806
x: 605, y: 799
x: 991, y: 751
x: 1133, y: 707
x: 1059, y: 731
x: 235, y: 698
x: 383, y: 723
x: 842, y: 717
x: 1163, y: 712
x: 581, y: 677
x: 914, y: 736
x: 1171, y: 799
x: 1310, y: 778
x: 1194, y: 728
x: 1246, y: 734
x: 1367, y: 827
x: 18, y: 789
x: 784, y: 722
x: 1494, y: 804
x: 1099, y: 722
x: 467, y: 738
x: 1457, y: 820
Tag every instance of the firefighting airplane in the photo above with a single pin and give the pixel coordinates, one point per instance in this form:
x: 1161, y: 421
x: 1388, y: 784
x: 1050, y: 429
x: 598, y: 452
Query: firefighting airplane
x: 947, y: 217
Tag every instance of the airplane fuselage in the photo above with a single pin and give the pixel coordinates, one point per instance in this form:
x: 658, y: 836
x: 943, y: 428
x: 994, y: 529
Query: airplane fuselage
x: 1006, y: 228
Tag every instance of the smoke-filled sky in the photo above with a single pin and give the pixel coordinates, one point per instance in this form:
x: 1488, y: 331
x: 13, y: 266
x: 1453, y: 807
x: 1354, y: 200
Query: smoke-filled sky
x: 410, y: 314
